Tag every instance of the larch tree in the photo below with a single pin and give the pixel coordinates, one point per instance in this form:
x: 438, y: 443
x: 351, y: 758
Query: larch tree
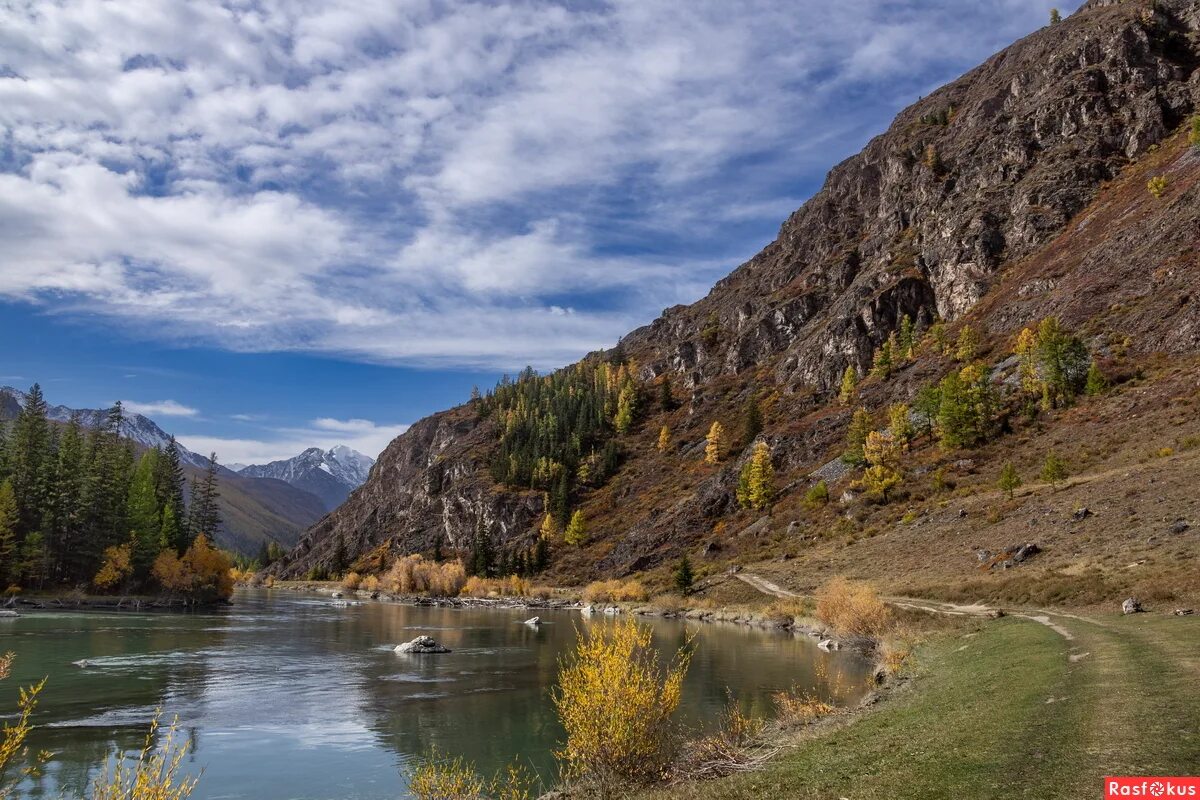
x: 1010, y: 479
x: 576, y: 532
x: 856, y: 437
x: 714, y: 447
x: 849, y: 385
x: 664, y: 439
x: 756, y: 483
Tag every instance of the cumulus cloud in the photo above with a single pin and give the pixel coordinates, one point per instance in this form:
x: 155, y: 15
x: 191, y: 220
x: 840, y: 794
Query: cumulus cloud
x: 160, y: 408
x: 433, y: 183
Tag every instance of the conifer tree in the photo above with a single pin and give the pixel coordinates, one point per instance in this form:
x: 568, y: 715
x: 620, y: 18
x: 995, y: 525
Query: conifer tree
x: 1010, y: 480
x: 884, y: 359
x: 906, y: 341
x: 547, y: 529
x: 756, y: 483
x: 664, y: 439
x: 849, y: 385
x: 576, y: 532
x: 65, y: 512
x: 926, y: 407
x: 1096, y: 382
x: 968, y: 344
x: 666, y: 399
x: 145, y: 521
x: 856, y: 437
x: 882, y: 454
x: 966, y: 407
x: 204, y: 515
x: 9, y: 520
x: 684, y: 577
x: 1054, y: 470
x: 900, y: 423
x: 714, y: 448
x: 28, y: 462
x: 817, y: 495
x: 541, y: 554
x: 752, y: 420
x: 1194, y: 133
x: 169, y: 483
x: 1055, y: 16
x: 626, y: 408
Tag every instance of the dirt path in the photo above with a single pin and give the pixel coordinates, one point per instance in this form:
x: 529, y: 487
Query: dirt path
x: 765, y: 586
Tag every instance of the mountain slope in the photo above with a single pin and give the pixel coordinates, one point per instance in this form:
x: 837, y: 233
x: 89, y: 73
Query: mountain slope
x: 1017, y: 191
x: 329, y: 474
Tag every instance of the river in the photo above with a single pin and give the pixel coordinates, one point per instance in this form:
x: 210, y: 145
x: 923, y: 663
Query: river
x: 284, y: 695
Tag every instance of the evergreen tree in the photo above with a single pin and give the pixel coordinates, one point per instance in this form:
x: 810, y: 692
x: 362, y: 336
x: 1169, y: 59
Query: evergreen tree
x: 576, y: 532
x: 1055, y: 16
x: 883, y: 361
x: 145, y: 520
x: 169, y: 483
x: 1010, y: 480
x: 906, y: 341
x: 204, y: 515
x: 684, y: 577
x: 849, y: 385
x: 108, y: 468
x: 664, y: 439
x: 856, y: 437
x: 817, y: 495
x: 968, y: 344
x: 65, y: 513
x: 714, y: 447
x: 33, y: 565
x: 264, y: 556
x: 1096, y: 382
x: 666, y: 399
x: 1063, y: 363
x: 1054, y: 470
x: 9, y: 520
x: 900, y: 423
x: 967, y: 407
x: 927, y: 405
x: 541, y: 554
x: 337, y: 562
x: 752, y: 420
x: 29, y: 464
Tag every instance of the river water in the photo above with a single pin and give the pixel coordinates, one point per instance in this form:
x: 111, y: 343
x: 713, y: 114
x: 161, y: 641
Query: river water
x: 285, y: 695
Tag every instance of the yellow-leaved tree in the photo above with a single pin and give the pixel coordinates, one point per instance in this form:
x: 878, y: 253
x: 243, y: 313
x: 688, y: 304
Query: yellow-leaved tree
x: 664, y: 439
x: 882, y: 453
x: 576, y: 532
x: 715, y: 446
x: 756, y: 484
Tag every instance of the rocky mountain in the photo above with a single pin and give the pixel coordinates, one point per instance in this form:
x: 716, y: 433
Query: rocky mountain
x: 253, y: 509
x: 1015, y: 192
x: 329, y: 474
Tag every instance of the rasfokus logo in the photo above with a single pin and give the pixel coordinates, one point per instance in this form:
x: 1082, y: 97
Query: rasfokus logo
x: 1151, y: 787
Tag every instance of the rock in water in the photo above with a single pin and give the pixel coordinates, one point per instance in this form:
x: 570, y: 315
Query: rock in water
x: 534, y: 621
x: 8, y: 612
x: 422, y: 644
x: 1131, y: 606
x: 828, y: 645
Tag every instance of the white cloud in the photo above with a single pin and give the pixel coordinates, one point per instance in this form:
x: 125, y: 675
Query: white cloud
x: 282, y: 443
x: 160, y: 408
x: 432, y: 183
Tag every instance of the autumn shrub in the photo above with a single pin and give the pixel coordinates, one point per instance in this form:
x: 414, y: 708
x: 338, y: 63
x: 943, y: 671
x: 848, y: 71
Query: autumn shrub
x: 797, y: 707
x: 615, y: 591
x: 369, y: 584
x: 735, y: 746
x: 512, y: 586
x: 115, y: 569
x: 893, y: 655
x: 155, y: 774
x: 16, y: 762
x: 204, y: 573
x: 414, y: 575
x: 615, y: 701
x: 351, y: 581
x: 437, y: 777
x: 852, y: 608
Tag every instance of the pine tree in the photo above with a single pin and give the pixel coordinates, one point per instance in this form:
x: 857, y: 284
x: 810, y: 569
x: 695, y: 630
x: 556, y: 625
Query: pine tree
x: 752, y: 420
x: 1010, y: 480
x: 1096, y: 382
x: 1055, y: 16
x: 337, y: 562
x: 926, y: 407
x: 666, y: 400
x: 145, y: 521
x: 856, y: 437
x: 1063, y: 363
x: 882, y: 364
x: 900, y: 423
x: 626, y: 408
x: 1054, y: 470
x: 967, y: 403
x: 664, y: 439
x: 849, y: 385
x: 29, y: 462
x: 9, y: 520
x: 906, y: 341
x: 169, y: 483
x: 684, y: 577
x: 714, y: 448
x: 756, y: 483
x: 541, y: 555
x: 968, y: 344
x: 204, y: 514
x: 65, y: 510
x: 817, y: 495
x: 576, y: 532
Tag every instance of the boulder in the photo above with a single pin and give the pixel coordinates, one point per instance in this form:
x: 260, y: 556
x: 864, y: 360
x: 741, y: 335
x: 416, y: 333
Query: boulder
x: 612, y: 611
x: 8, y: 612
x: 422, y: 644
x: 534, y: 621
x: 1131, y: 606
x: 1081, y: 514
x: 1183, y: 612
x: 828, y: 645
x: 1179, y: 526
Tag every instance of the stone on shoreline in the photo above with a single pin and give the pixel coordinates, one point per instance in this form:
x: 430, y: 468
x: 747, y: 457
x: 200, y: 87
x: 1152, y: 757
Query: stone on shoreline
x: 422, y: 644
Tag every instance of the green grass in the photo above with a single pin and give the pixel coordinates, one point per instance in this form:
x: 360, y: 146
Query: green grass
x: 977, y: 722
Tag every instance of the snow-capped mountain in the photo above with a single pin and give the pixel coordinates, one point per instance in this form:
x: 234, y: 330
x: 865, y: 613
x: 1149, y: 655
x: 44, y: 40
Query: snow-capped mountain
x: 329, y: 474
x: 137, y: 428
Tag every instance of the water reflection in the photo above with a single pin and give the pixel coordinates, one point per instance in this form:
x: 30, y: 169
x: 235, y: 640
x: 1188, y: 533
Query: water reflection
x: 287, y: 696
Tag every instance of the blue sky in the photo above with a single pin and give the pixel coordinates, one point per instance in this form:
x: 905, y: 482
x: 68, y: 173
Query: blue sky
x: 270, y: 224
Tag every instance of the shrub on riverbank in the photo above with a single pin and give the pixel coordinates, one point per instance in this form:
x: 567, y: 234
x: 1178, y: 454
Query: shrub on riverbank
x: 615, y: 591
x: 615, y: 702
x: 436, y: 777
x: 512, y: 586
x: 415, y: 575
x: 853, y: 608
x: 203, y: 573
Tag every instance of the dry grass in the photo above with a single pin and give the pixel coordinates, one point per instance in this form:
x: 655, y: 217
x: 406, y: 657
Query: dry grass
x: 153, y: 775
x: 16, y: 762
x: 853, y: 608
x: 738, y: 745
x: 436, y: 777
x: 512, y: 586
x: 797, y: 707
x: 615, y: 591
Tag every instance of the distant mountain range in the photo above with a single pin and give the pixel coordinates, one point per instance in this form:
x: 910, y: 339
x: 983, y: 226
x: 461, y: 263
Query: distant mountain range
x: 275, y: 502
x: 329, y: 474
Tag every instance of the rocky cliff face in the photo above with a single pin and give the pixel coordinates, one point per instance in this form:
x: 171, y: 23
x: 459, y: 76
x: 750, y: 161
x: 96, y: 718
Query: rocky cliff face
x: 980, y: 200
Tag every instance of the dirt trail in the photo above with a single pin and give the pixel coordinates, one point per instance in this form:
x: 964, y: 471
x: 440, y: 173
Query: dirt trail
x: 765, y: 586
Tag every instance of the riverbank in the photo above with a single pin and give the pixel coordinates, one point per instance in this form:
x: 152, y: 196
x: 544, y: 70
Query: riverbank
x: 131, y: 603
x: 1006, y: 708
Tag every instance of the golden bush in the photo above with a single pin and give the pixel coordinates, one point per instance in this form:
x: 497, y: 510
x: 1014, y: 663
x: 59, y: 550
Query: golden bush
x: 414, y: 575
x: 853, y: 608
x: 436, y: 777
x: 369, y: 584
x: 16, y: 762
x: 155, y: 774
x: 615, y: 591
x: 797, y: 707
x: 116, y: 567
x: 615, y: 702
x: 203, y: 573
x: 512, y: 586
x: 351, y: 581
